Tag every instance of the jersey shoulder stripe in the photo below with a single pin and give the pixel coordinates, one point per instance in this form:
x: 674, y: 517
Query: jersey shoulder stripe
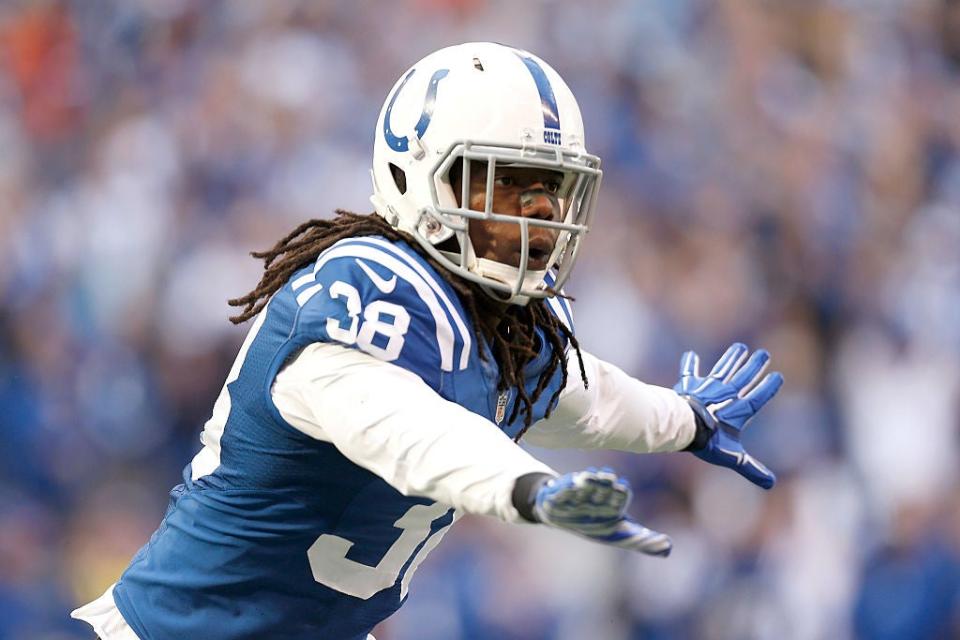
x: 560, y: 306
x: 431, y: 280
x: 306, y: 286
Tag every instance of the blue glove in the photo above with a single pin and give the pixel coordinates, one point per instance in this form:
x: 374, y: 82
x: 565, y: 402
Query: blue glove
x: 593, y: 504
x: 722, y: 404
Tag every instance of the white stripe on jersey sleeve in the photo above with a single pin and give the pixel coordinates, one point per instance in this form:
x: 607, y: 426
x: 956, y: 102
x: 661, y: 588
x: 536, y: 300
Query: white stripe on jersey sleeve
x: 559, y: 312
x: 390, y: 422
x: 566, y: 307
x: 561, y: 306
x: 302, y: 280
x: 307, y: 293
x: 461, y: 325
x: 341, y: 249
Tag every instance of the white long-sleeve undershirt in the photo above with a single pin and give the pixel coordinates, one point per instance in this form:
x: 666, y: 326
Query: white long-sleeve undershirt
x: 617, y: 412
x: 388, y: 421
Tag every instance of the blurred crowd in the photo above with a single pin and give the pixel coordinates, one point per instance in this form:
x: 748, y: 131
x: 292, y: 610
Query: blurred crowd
x: 786, y: 173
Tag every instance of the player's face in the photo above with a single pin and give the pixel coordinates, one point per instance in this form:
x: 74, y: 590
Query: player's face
x: 517, y: 191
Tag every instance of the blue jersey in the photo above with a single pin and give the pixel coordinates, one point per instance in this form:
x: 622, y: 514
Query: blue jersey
x: 274, y: 534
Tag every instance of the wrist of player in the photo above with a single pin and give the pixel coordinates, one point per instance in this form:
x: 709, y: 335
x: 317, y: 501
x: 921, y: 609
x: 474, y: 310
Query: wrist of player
x: 524, y: 496
x: 704, y: 425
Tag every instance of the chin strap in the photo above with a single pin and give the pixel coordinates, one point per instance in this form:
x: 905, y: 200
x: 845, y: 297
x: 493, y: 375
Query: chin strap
x: 508, y: 275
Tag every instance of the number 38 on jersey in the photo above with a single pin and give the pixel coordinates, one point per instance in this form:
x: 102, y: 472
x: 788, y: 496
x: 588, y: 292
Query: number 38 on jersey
x: 381, y: 318
x: 366, y: 293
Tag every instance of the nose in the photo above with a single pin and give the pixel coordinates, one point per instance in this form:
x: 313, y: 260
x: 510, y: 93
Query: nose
x: 536, y: 202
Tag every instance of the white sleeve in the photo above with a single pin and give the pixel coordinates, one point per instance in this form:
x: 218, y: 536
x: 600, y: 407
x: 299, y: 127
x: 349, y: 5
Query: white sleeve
x: 615, y: 412
x: 390, y: 422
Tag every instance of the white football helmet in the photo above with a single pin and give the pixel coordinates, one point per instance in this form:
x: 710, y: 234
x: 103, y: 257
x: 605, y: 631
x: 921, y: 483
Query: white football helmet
x: 497, y: 105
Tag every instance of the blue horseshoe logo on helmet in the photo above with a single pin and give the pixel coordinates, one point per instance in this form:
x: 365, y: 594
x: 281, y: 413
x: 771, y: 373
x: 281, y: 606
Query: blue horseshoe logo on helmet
x: 398, y: 143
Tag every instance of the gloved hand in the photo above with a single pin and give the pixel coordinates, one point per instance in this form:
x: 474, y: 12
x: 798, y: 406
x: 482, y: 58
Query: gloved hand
x: 723, y: 407
x: 593, y: 504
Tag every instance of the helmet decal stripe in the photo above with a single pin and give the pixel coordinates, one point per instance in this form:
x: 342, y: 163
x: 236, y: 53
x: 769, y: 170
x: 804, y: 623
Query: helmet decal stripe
x: 429, y: 101
x: 402, y: 143
x: 548, y: 101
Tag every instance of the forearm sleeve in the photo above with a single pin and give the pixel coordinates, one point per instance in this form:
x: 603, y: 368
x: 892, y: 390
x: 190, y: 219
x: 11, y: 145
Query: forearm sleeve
x: 615, y: 412
x: 388, y: 421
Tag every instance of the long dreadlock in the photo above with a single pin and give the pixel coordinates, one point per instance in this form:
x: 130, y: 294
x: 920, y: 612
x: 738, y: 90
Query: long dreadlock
x: 512, y: 335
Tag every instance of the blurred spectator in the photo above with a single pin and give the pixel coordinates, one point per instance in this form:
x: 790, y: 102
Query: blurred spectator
x: 784, y: 173
x: 911, y: 585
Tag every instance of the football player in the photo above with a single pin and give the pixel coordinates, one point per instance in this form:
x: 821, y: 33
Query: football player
x: 394, y: 361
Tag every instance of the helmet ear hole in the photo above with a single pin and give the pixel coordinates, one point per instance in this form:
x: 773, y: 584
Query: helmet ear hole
x: 399, y: 178
x: 450, y: 245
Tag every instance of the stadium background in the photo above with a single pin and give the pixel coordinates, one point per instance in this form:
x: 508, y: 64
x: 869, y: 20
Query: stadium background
x: 785, y: 173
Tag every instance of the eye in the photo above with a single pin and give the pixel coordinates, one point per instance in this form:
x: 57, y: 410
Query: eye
x: 503, y: 181
x: 552, y: 186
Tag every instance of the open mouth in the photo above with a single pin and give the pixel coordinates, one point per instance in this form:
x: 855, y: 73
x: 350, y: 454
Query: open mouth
x: 538, y: 252
x: 538, y: 255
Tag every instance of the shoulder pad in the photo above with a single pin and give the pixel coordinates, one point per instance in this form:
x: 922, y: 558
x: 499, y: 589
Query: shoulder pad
x: 374, y: 295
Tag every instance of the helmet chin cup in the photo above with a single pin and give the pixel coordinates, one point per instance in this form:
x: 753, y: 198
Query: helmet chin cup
x: 517, y: 279
x: 482, y: 103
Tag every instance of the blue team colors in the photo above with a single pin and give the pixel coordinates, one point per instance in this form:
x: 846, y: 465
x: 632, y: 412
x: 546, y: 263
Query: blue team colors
x: 282, y: 536
x: 725, y: 385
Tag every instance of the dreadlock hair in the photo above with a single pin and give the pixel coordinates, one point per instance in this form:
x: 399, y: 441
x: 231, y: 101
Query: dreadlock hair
x: 511, y: 335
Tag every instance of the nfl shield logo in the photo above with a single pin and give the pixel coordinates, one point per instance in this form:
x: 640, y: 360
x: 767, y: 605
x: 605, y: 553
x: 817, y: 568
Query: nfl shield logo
x: 501, y: 406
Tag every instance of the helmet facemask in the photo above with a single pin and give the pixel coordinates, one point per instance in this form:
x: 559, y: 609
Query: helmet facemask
x: 443, y: 228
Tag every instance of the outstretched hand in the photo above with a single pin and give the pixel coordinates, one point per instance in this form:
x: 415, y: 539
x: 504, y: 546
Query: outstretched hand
x: 593, y: 504
x: 725, y: 400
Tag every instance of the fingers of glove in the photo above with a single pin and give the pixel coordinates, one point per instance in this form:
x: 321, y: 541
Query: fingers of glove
x: 729, y: 361
x: 591, y: 495
x: 632, y: 535
x: 587, y: 525
x: 572, y: 509
x: 712, y: 391
x: 602, y: 481
x: 737, y: 413
x: 764, y: 391
x: 733, y: 456
x: 756, y: 472
x: 603, y: 491
x: 689, y: 365
x: 750, y: 371
x: 604, y: 476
